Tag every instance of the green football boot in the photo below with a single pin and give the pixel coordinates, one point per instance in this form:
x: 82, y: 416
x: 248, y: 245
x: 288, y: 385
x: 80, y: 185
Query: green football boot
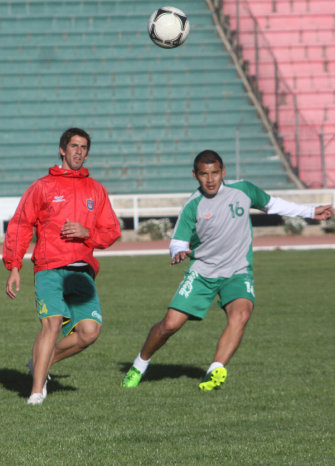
x: 132, y: 378
x: 214, y: 379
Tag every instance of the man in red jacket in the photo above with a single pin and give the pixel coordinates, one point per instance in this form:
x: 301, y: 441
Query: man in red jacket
x: 71, y: 215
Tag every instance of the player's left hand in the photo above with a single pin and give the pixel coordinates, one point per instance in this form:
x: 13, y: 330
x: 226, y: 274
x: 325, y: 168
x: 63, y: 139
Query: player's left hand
x: 74, y: 230
x: 323, y: 212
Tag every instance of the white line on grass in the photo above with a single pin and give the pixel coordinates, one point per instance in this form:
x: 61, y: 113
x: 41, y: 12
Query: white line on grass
x: 298, y: 247
x: 154, y: 252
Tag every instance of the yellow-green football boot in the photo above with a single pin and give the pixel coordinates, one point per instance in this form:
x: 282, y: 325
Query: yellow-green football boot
x: 214, y: 379
x: 132, y: 378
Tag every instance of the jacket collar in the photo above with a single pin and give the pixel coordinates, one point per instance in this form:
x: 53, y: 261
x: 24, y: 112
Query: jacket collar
x: 58, y: 171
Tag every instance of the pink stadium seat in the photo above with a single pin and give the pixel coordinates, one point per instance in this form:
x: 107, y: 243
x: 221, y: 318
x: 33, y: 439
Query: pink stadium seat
x: 290, y: 21
x: 316, y: 114
x: 295, y: 51
x: 300, y: 35
x: 293, y: 67
x: 306, y: 99
x: 261, y: 7
x: 305, y: 128
x: 312, y: 81
x: 294, y: 35
x: 308, y: 81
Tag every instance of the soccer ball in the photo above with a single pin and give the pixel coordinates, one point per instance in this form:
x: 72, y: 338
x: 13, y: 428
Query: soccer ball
x: 168, y: 27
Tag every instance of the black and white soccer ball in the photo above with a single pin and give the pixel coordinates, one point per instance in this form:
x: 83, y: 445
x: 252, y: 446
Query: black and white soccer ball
x: 168, y: 27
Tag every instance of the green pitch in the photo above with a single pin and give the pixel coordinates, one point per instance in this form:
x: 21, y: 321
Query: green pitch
x: 276, y: 407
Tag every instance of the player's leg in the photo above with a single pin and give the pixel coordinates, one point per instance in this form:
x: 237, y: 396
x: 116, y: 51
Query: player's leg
x: 162, y: 331
x: 238, y: 313
x: 50, y: 309
x: 84, y: 325
x: 85, y: 334
x: 43, y: 351
x: 157, y: 337
x: 191, y: 301
x: 237, y: 298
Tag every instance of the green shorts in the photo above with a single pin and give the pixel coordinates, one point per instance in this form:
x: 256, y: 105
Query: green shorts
x: 196, y: 293
x: 67, y: 293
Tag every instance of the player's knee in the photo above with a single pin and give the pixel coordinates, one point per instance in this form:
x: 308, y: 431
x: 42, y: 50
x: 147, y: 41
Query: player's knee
x: 168, y: 327
x: 88, y: 333
x: 245, y: 316
x: 172, y: 322
x: 240, y: 316
x: 92, y: 336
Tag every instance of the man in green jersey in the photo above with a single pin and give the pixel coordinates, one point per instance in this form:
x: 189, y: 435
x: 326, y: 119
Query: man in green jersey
x: 214, y: 231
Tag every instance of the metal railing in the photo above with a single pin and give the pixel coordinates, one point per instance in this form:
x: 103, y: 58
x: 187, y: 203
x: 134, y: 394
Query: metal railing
x: 307, y: 150
x: 327, y: 146
x: 143, y: 206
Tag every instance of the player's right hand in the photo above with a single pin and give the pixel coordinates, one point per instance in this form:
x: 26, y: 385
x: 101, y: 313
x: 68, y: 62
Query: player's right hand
x: 180, y: 256
x: 13, y: 279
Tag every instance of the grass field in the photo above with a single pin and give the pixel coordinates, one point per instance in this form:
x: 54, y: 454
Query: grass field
x: 276, y: 408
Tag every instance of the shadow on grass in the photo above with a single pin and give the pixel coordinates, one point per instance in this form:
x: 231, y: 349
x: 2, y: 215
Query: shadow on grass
x: 166, y: 371
x: 16, y: 381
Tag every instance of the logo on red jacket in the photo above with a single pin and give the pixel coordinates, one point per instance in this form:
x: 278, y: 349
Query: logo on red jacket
x: 58, y: 199
x: 90, y: 204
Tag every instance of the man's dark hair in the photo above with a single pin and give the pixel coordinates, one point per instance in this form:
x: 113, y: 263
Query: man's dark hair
x: 69, y: 133
x: 207, y: 156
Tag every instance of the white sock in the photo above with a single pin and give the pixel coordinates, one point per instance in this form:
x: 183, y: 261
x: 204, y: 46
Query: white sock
x: 141, y: 364
x: 214, y: 365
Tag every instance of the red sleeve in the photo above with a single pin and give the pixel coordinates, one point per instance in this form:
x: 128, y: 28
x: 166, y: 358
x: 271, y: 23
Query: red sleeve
x: 107, y: 228
x: 20, y: 228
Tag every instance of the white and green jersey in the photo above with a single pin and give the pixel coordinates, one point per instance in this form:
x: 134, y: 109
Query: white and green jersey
x: 218, y: 230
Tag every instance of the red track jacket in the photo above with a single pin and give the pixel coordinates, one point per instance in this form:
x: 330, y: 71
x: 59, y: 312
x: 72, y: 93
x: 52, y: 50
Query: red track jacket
x: 45, y: 206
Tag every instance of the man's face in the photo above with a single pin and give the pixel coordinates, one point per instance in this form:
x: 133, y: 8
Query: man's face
x: 75, y: 153
x: 210, y: 176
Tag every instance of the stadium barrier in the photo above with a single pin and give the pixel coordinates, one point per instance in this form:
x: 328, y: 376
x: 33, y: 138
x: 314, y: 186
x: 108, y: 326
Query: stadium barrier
x: 137, y: 206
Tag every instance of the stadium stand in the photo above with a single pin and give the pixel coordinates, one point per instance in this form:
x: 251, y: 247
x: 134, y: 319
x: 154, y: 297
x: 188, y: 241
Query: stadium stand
x: 149, y: 111
x: 289, y: 47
